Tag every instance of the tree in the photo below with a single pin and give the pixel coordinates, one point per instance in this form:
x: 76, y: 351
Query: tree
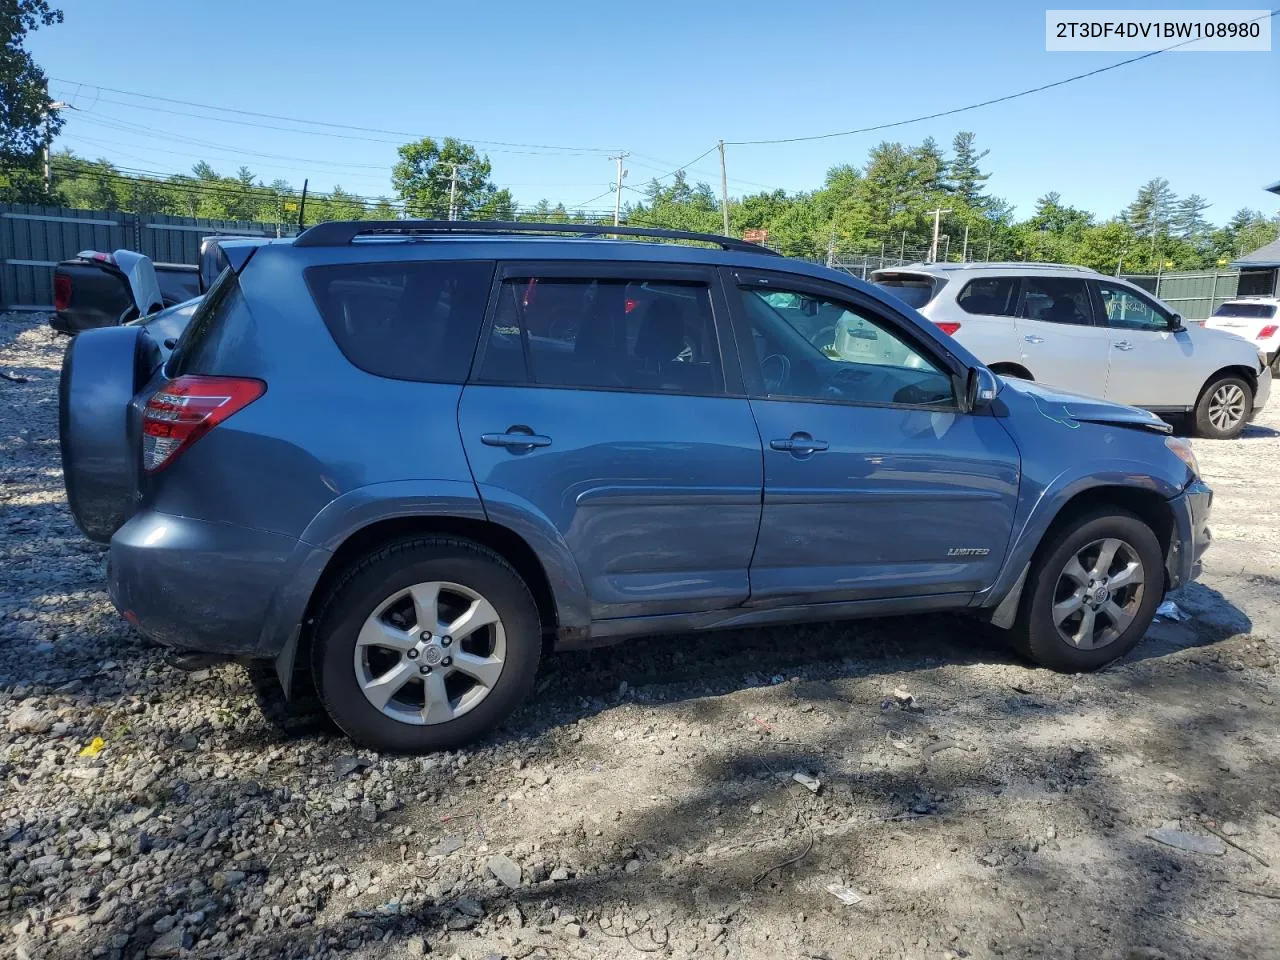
x: 424, y: 172
x: 966, y: 178
x: 1151, y: 210
x: 1188, y: 219
x: 27, y: 123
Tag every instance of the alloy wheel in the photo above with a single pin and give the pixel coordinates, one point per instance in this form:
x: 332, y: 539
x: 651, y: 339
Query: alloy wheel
x: 1226, y: 406
x: 430, y: 653
x: 1098, y: 593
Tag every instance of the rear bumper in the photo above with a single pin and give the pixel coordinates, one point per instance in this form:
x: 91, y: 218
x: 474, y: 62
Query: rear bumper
x: 196, y: 585
x: 1191, y: 536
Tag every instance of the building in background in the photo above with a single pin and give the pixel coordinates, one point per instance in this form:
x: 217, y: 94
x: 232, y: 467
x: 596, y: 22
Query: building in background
x: 1260, y: 270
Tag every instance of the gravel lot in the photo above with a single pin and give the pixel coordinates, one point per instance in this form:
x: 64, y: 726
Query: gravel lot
x: 644, y: 801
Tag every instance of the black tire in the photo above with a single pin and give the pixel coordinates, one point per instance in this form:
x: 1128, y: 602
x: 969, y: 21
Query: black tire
x: 1036, y: 636
x: 396, y: 567
x: 1204, y: 412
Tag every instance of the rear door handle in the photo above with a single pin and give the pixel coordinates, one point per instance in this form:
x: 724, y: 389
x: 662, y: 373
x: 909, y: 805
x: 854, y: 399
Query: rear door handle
x: 799, y: 445
x: 515, y: 438
x: 1034, y: 339
x: 1123, y: 345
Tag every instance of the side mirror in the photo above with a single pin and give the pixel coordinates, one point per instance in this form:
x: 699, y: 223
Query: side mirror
x: 1175, y: 323
x: 980, y: 388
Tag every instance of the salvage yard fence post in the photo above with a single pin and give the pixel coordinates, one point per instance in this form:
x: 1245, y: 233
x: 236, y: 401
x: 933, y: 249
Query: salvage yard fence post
x: 34, y: 238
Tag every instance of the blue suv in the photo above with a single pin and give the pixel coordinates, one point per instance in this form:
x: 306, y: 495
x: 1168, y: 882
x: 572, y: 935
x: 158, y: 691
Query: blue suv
x: 395, y: 462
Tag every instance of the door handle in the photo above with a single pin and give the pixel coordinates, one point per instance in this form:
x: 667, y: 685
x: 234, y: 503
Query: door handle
x: 515, y: 439
x: 1123, y: 345
x: 799, y: 445
x: 1034, y: 339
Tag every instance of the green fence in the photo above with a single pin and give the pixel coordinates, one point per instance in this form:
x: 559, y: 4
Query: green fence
x: 1194, y: 295
x: 33, y: 239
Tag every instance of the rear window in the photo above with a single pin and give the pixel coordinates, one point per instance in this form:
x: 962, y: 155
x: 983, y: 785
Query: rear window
x: 1248, y: 311
x: 913, y: 289
x: 409, y: 321
x: 990, y: 296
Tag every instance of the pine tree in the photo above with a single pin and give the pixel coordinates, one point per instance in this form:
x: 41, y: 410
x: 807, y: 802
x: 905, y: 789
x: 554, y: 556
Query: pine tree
x: 966, y: 178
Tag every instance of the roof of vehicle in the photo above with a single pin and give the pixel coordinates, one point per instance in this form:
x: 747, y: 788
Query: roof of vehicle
x: 1020, y: 268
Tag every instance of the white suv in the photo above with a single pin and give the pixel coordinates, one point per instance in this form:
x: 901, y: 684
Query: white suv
x: 1078, y: 330
x: 1254, y: 318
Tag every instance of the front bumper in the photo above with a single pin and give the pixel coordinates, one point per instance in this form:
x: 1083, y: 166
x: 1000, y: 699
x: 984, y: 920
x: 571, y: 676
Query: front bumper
x: 1191, y: 537
x: 1263, y: 393
x: 197, y: 585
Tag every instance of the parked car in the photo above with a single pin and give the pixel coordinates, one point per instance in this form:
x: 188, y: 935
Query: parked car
x: 1100, y: 336
x: 106, y: 289
x: 362, y: 466
x: 1256, y: 319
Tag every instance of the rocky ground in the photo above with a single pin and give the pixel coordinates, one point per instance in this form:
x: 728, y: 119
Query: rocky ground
x: 954, y: 803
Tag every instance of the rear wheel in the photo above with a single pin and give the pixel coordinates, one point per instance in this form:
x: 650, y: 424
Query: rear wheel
x: 1093, y: 592
x: 1224, y: 407
x: 426, y: 644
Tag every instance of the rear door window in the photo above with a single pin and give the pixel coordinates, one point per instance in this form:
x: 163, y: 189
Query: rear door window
x: 990, y: 296
x: 416, y: 320
x: 604, y: 333
x: 1057, y: 300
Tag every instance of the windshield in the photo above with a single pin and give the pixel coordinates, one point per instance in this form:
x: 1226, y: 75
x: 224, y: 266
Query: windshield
x: 1247, y: 311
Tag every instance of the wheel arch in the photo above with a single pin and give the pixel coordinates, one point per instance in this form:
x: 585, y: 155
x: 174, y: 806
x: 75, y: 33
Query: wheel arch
x: 1147, y: 504
x: 1245, y: 373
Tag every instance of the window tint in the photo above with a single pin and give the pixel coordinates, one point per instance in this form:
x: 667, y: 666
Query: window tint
x: 992, y: 296
x: 1247, y: 311
x: 1056, y: 300
x: 620, y: 334
x: 821, y: 349
x: 410, y: 321
x: 1129, y: 311
x: 219, y: 339
x: 913, y: 289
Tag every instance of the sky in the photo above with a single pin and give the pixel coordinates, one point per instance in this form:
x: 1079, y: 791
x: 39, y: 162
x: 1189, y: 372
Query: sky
x: 662, y: 80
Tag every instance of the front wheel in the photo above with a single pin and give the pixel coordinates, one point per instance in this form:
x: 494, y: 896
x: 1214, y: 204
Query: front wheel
x: 1093, y: 592
x: 1223, y: 408
x: 426, y: 644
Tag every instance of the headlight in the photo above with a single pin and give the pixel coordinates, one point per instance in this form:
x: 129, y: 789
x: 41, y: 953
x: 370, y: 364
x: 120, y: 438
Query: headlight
x: 1182, y: 450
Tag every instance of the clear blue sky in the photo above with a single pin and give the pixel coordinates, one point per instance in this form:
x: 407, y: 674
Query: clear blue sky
x: 661, y: 79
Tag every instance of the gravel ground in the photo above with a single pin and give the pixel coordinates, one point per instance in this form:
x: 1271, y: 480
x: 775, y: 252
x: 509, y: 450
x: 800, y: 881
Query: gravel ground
x: 644, y: 802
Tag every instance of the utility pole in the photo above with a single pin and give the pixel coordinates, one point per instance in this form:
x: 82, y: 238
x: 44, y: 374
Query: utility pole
x: 831, y: 248
x: 987, y: 259
x: 937, y: 221
x: 302, y: 205
x: 617, y: 187
x: 724, y: 191
x: 965, y: 256
x: 902, y: 250
x: 453, y: 191
x: 946, y: 256
x: 48, y: 141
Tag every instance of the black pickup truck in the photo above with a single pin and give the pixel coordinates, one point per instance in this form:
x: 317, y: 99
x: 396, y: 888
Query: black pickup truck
x: 95, y: 289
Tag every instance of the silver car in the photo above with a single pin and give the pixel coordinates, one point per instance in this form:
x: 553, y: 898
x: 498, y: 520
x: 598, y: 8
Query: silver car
x: 1078, y: 330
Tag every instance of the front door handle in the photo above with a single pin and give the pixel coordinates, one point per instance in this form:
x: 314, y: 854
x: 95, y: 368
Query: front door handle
x: 1034, y: 339
x: 516, y: 438
x: 799, y: 445
x: 1123, y: 345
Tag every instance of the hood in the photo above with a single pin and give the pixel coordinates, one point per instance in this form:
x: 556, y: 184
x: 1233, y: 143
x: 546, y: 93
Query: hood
x: 1065, y: 407
x: 141, y: 274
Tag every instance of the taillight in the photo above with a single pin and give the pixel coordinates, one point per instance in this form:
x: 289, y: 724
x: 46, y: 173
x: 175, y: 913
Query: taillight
x: 629, y: 304
x: 949, y: 327
x: 61, y: 292
x: 1268, y: 331
x: 185, y: 409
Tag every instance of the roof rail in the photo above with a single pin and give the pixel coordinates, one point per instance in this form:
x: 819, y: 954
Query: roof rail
x: 1013, y: 264
x: 338, y: 233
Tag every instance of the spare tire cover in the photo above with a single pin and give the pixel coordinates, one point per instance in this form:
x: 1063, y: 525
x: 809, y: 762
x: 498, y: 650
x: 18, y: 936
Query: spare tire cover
x: 102, y: 370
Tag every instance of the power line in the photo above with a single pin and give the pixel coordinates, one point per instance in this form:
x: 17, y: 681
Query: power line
x: 319, y: 123
x: 974, y: 106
